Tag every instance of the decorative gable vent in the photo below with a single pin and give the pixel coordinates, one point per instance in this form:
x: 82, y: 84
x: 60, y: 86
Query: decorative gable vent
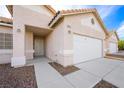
x: 92, y: 21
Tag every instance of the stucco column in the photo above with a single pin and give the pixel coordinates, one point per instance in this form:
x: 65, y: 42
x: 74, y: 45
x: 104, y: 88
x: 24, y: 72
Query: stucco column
x: 68, y: 47
x: 18, y: 58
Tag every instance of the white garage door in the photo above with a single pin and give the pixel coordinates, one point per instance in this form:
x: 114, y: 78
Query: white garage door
x: 112, y: 47
x: 86, y: 48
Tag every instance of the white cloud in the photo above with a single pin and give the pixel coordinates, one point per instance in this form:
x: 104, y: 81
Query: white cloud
x: 120, y: 30
x: 105, y: 11
x: 4, y: 12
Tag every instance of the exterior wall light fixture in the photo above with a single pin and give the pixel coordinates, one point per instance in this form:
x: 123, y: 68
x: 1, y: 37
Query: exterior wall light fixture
x: 18, y: 30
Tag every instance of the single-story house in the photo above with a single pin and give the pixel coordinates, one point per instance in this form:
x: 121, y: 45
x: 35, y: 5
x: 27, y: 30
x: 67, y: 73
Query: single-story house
x: 67, y: 37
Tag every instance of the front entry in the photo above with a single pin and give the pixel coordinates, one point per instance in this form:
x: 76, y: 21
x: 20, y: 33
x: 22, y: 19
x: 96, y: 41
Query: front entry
x: 38, y: 46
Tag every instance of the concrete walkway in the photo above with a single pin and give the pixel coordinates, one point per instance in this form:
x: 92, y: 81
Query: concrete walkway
x: 47, y: 76
x: 90, y: 74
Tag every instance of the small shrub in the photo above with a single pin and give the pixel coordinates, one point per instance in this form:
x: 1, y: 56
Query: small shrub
x: 121, y: 45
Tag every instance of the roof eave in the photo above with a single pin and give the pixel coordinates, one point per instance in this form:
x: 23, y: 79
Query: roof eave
x: 101, y: 23
x: 10, y: 9
x: 6, y: 25
x: 114, y: 32
x: 60, y: 16
x: 117, y: 35
x: 51, y: 9
x: 94, y: 12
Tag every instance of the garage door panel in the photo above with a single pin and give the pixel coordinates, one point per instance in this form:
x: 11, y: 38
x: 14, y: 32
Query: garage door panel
x: 112, y: 47
x: 86, y: 48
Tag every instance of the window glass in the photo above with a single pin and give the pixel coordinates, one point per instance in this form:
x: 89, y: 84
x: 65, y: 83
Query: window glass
x: 5, y: 41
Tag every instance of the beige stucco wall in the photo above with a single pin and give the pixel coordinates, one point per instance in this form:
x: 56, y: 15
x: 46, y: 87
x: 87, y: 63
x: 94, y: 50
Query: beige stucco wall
x: 26, y: 15
x: 59, y: 44
x: 54, y: 44
x: 39, y: 9
x: 80, y: 24
x: 5, y: 54
x: 68, y: 43
x: 29, y: 16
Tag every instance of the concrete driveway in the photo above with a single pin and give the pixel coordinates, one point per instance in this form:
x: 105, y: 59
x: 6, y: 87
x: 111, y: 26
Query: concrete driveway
x: 100, y: 67
x: 107, y: 69
x: 90, y: 73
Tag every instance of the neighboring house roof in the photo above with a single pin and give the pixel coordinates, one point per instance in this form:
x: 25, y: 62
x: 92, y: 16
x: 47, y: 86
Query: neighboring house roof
x: 5, y: 21
x: 113, y: 32
x: 63, y: 13
x: 10, y: 9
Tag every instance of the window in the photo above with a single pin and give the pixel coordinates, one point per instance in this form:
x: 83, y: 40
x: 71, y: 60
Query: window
x: 5, y: 41
x: 92, y: 21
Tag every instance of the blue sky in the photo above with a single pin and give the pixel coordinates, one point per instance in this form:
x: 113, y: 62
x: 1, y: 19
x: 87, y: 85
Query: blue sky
x: 112, y: 16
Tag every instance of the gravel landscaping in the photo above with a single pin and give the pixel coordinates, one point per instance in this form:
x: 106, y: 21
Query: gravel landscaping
x: 64, y: 70
x: 104, y: 84
x: 22, y: 77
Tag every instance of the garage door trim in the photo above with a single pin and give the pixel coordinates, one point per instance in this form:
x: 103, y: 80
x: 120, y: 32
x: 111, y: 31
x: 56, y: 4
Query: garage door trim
x: 90, y: 38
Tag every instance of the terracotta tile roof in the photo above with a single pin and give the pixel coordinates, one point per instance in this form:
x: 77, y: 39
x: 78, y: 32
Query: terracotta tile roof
x: 5, y: 20
x: 72, y: 11
x: 78, y: 11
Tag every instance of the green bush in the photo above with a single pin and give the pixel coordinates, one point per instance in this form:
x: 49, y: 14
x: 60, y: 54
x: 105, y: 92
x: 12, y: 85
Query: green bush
x: 121, y: 44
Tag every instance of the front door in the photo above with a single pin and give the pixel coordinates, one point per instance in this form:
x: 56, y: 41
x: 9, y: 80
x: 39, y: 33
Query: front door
x: 38, y: 46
